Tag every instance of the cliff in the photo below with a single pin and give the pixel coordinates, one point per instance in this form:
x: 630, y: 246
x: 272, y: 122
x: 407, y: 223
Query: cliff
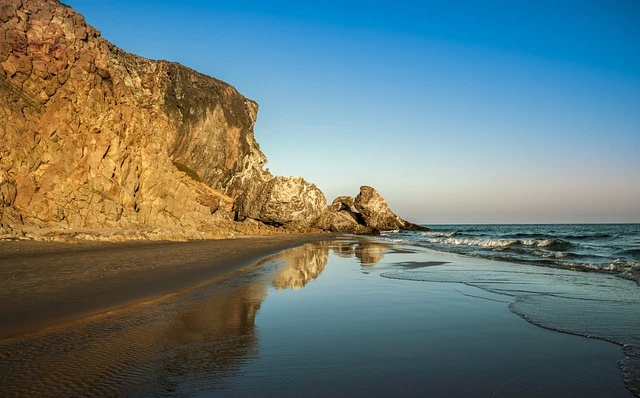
x: 95, y: 139
x: 93, y: 136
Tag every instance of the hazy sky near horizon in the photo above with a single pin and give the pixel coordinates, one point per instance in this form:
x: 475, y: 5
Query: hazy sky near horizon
x: 455, y: 111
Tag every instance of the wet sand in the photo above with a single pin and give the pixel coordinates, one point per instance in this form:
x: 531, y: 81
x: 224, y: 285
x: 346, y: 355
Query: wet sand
x: 316, y: 320
x: 48, y: 283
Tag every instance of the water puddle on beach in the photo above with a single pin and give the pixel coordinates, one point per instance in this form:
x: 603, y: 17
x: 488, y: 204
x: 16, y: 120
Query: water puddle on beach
x: 320, y: 320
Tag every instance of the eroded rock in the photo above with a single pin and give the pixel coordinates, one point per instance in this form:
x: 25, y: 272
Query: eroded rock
x: 92, y: 135
x: 376, y: 212
x: 291, y: 202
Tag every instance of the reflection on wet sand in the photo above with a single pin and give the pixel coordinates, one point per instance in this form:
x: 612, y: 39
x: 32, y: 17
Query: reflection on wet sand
x: 303, y: 264
x: 183, y: 344
x: 147, y: 350
x: 367, y: 251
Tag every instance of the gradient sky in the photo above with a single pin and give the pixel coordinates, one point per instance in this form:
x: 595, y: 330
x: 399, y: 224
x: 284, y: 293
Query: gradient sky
x: 455, y: 111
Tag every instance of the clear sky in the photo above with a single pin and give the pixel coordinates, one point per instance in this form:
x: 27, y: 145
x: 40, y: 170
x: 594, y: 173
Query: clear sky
x: 455, y: 111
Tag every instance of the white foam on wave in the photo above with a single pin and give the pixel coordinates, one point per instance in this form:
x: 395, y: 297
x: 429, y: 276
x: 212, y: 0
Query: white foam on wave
x: 542, y: 254
x: 538, y: 243
x: 622, y: 265
x: 495, y: 243
x: 473, y: 242
x: 438, y: 234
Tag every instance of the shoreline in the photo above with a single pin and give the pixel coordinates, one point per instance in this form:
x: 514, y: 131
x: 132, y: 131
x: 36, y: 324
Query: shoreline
x: 222, y: 311
x: 46, y: 284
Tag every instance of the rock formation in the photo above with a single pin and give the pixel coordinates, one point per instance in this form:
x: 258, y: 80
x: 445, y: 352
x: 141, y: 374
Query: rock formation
x: 340, y: 216
x: 368, y: 214
x: 377, y: 214
x: 92, y: 137
x: 282, y: 201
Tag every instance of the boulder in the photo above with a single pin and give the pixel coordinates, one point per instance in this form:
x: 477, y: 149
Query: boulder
x: 282, y: 201
x: 376, y: 212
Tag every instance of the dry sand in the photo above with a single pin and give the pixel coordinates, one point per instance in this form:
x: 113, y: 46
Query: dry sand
x: 45, y: 283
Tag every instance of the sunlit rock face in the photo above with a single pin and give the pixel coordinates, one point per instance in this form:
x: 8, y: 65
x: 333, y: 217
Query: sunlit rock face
x: 303, y: 264
x: 377, y: 214
x: 340, y: 216
x: 282, y: 201
x: 95, y: 136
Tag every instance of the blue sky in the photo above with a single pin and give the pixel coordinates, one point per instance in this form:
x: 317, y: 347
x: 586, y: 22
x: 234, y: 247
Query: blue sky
x: 456, y: 111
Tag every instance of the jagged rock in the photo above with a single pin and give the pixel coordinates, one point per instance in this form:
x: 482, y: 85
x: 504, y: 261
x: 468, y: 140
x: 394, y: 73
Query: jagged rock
x: 377, y: 214
x: 340, y: 217
x: 93, y: 136
x: 343, y: 203
x: 343, y: 221
x: 291, y: 202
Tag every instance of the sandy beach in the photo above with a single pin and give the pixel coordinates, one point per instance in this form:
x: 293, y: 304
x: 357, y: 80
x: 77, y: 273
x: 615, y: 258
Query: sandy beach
x: 47, y: 283
x: 314, y: 315
x: 310, y: 314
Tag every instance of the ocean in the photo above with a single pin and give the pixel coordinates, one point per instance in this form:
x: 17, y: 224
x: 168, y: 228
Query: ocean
x: 611, y: 248
x: 580, y: 279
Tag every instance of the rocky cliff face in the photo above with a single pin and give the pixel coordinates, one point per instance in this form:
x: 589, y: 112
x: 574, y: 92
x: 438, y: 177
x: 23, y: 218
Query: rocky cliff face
x: 95, y: 138
x: 92, y: 136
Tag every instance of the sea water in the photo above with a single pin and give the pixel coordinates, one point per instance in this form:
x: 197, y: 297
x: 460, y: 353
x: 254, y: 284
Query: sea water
x: 579, y: 279
x: 612, y: 248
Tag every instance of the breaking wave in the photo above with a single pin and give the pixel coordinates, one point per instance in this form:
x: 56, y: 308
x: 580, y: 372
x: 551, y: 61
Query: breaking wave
x: 592, y: 247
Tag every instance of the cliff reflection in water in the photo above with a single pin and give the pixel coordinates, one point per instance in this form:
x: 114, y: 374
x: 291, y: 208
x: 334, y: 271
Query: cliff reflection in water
x: 187, y: 343
x: 303, y: 264
x: 367, y: 251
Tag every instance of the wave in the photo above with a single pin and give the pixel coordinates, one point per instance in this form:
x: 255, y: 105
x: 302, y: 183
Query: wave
x: 633, y: 253
x: 533, y: 235
x: 439, y: 233
x: 588, y: 236
x: 548, y: 244
x: 579, y: 248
